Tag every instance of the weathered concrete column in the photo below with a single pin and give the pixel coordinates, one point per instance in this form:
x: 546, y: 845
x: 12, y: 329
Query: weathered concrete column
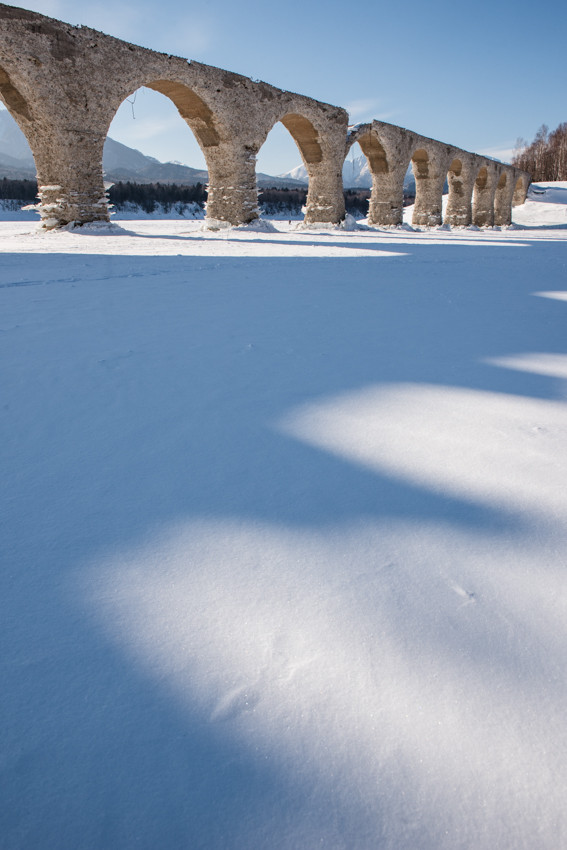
x: 483, y: 199
x: 69, y: 177
x: 325, y: 202
x: 460, y: 178
x: 503, y: 199
x: 232, y: 193
x: 386, y: 206
x: 387, y: 149
x: 522, y: 182
x: 430, y: 177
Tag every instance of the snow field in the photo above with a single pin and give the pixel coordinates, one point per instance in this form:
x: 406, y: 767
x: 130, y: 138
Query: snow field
x: 283, y: 536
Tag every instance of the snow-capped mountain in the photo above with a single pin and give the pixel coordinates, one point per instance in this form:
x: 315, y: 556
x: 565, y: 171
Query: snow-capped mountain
x: 120, y: 162
x: 356, y: 174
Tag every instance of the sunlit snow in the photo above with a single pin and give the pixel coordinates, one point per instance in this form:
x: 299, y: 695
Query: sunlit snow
x: 284, y: 536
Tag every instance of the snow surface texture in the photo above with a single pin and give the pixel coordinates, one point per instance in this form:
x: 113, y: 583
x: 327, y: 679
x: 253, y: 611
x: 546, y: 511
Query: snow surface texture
x: 284, y: 537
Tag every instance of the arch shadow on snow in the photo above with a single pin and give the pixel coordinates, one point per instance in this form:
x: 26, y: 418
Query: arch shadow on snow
x: 141, y: 392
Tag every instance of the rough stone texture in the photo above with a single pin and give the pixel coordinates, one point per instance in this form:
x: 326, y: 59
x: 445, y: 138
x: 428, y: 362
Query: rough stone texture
x: 64, y: 84
x: 522, y: 183
x: 390, y: 149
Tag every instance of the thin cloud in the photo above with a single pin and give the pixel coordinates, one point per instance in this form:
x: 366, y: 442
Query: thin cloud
x: 365, y: 109
x: 503, y: 154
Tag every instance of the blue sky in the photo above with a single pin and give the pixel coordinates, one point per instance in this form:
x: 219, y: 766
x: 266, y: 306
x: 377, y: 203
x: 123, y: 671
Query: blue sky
x: 477, y: 75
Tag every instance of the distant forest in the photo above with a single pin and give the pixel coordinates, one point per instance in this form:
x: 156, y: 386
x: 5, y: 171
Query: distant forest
x: 546, y: 157
x: 171, y: 195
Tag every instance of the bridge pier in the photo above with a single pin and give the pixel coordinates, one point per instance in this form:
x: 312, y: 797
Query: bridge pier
x: 483, y: 198
x: 386, y: 206
x: 232, y: 193
x: 325, y: 202
x: 69, y: 178
x: 460, y: 178
x: 429, y: 181
x: 522, y: 184
x: 503, y: 200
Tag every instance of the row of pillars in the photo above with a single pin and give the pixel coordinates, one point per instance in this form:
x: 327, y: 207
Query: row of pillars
x: 481, y: 195
x: 483, y: 199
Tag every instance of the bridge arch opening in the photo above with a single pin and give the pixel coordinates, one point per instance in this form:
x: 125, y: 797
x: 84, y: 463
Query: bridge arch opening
x: 160, y: 134
x: 365, y: 170
x: 375, y: 154
x: 283, y: 183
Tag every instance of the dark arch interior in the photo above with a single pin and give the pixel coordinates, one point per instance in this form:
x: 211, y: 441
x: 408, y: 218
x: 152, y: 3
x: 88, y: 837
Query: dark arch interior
x: 420, y: 160
x: 374, y: 153
x: 482, y: 178
x: 192, y: 108
x: 305, y: 135
x: 12, y: 97
x: 456, y: 167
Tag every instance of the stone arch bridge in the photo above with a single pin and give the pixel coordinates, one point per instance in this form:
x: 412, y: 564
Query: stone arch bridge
x: 63, y: 85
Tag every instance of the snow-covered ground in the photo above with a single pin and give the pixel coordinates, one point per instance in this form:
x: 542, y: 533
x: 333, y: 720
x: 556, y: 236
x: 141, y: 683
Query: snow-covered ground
x: 284, y: 547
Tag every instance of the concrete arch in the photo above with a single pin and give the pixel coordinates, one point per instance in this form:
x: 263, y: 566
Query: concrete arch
x: 198, y: 110
x: 309, y: 144
x: 192, y: 109
x: 384, y: 146
x: 375, y: 153
x: 203, y: 114
x: 386, y: 201
x: 82, y: 76
x: 63, y: 84
x: 30, y: 115
x: 308, y: 138
x: 521, y: 185
x: 430, y: 162
x: 16, y: 104
x: 305, y: 136
x: 321, y: 145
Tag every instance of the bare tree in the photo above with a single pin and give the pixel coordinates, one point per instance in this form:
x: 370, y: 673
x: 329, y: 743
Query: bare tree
x: 546, y: 157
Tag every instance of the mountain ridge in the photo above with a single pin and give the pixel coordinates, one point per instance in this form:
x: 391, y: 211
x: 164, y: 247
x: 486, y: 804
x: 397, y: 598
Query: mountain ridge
x: 120, y: 163
x: 356, y: 175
